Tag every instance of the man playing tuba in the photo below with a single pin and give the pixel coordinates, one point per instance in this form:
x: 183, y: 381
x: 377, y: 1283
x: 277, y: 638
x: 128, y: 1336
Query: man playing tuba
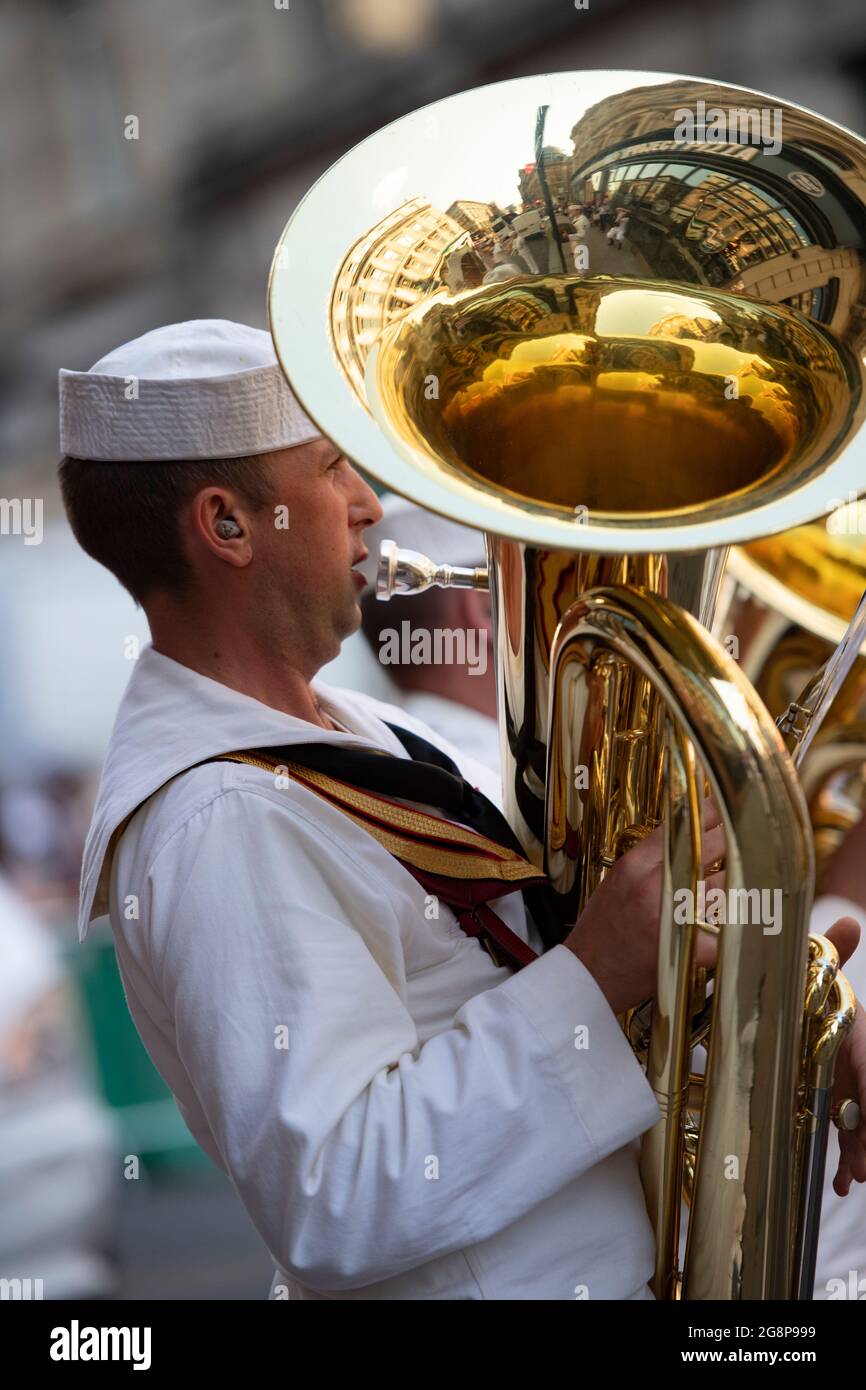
x: 335, y: 954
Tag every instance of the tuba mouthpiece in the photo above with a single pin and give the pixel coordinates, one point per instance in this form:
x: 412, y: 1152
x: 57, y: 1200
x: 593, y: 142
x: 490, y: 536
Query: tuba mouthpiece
x: 410, y: 572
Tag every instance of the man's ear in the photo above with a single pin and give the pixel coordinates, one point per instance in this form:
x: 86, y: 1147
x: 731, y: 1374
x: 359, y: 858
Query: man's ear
x: 217, y: 526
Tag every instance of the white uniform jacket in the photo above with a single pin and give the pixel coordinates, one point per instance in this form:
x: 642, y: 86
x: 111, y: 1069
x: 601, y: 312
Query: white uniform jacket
x: 400, y: 1117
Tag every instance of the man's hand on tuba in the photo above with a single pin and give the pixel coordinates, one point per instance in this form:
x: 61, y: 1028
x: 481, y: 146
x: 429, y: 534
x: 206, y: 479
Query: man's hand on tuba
x: 849, y: 1077
x: 616, y: 935
x: 616, y: 938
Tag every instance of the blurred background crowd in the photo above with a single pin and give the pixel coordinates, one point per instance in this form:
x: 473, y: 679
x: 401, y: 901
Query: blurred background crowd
x: 149, y: 158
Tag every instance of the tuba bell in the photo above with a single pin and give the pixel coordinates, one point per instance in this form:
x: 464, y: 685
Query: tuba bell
x: 615, y: 413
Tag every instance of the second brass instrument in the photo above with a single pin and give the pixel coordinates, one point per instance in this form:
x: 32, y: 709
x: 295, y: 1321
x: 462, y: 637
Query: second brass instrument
x: 786, y: 602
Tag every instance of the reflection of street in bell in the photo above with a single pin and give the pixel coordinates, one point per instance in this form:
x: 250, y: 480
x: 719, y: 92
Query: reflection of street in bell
x: 595, y: 252
x: 604, y: 248
x: 609, y: 258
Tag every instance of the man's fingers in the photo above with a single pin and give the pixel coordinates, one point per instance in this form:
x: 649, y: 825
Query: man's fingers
x: 706, y: 950
x: 710, y: 816
x: 842, y: 1180
x: 716, y: 880
x: 854, y: 1152
x: 707, y: 941
x: 653, y: 846
x: 845, y: 935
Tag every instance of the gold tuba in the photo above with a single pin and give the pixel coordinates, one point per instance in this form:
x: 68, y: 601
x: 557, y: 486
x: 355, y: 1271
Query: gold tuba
x: 615, y: 412
x: 786, y: 600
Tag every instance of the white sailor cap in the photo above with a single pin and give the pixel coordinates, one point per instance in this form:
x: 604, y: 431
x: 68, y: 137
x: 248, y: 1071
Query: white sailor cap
x: 203, y: 389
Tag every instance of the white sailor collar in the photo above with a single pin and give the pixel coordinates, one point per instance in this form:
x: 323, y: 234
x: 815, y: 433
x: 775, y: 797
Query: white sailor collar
x: 171, y: 717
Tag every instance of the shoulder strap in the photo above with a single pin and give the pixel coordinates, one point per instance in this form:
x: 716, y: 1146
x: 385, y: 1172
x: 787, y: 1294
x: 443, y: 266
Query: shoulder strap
x: 425, y: 841
x: 416, y: 838
x: 459, y: 865
x: 464, y: 867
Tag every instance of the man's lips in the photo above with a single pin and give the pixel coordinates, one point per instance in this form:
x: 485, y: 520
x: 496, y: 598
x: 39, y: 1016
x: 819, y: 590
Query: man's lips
x: 356, y: 573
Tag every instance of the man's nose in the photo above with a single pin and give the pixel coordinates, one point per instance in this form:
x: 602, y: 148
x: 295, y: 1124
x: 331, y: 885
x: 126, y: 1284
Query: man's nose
x: 376, y: 511
x: 370, y: 508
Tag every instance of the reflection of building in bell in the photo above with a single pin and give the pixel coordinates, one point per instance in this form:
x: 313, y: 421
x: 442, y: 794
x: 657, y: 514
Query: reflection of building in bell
x: 576, y: 316
x: 810, y: 275
x: 656, y: 359
x: 649, y: 111
x: 706, y: 226
x: 384, y: 274
x: 635, y: 113
x: 681, y: 326
x: 776, y: 231
x: 474, y: 217
x: 557, y: 172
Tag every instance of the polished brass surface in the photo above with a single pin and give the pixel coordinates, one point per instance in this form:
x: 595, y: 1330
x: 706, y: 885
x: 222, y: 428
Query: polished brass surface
x: 787, y: 600
x: 739, y: 1225
x: 824, y: 568
x: 617, y: 718
x: 417, y: 216
x: 602, y: 393
x: 613, y: 427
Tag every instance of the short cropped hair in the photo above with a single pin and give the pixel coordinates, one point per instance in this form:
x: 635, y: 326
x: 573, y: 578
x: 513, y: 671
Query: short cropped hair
x: 127, y: 515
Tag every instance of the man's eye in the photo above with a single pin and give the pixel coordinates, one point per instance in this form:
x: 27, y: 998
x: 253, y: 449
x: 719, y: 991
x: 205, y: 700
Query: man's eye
x: 336, y: 463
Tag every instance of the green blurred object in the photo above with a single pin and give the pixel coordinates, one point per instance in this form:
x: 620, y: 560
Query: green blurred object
x: 150, y: 1122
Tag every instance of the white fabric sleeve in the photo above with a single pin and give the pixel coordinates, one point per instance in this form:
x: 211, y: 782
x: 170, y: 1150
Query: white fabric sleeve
x: 331, y: 1139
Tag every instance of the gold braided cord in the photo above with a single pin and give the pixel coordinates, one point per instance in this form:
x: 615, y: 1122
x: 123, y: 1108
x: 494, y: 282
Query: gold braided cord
x: 435, y: 860
x: 430, y: 858
x: 401, y: 816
